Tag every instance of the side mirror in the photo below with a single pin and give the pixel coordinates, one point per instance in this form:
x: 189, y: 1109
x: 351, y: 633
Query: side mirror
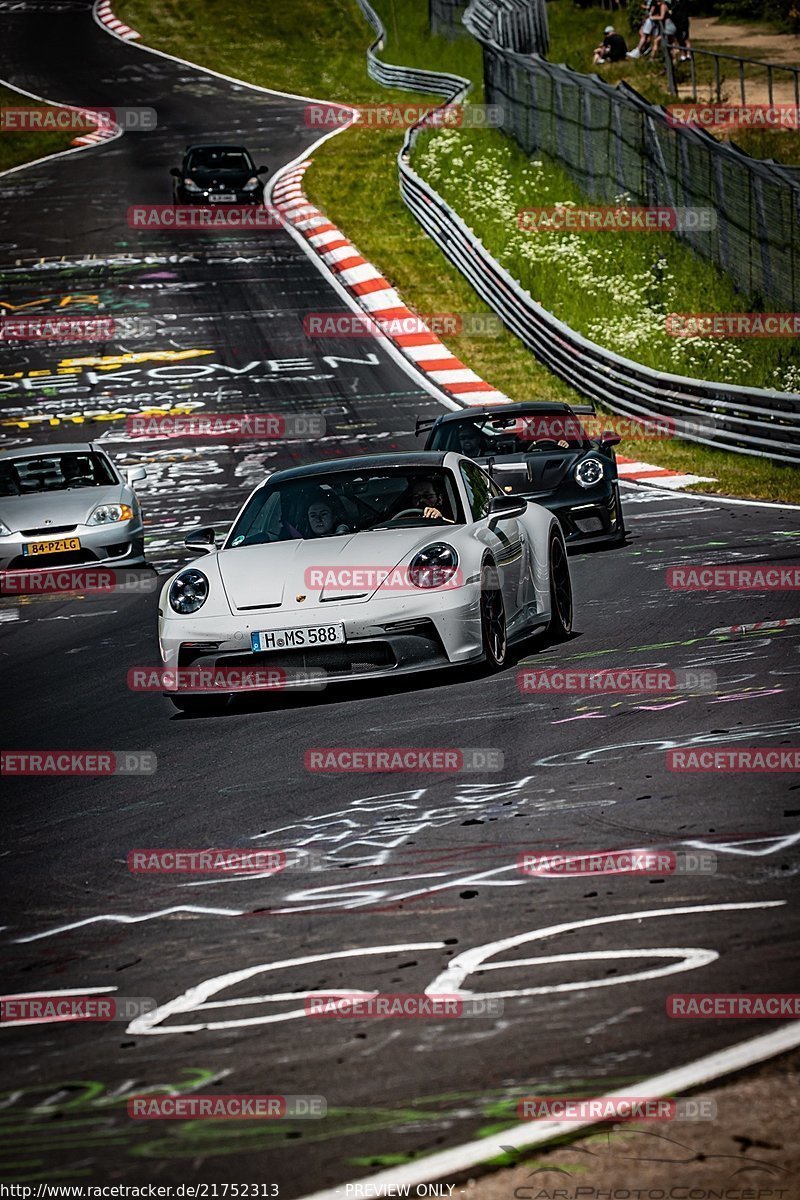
x: 176, y: 171
x: 201, y: 540
x: 507, y: 506
x: 135, y: 475
x: 610, y: 438
x: 261, y: 170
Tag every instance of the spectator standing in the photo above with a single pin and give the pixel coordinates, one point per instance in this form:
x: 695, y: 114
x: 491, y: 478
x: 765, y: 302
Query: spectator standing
x: 680, y: 17
x: 652, y: 29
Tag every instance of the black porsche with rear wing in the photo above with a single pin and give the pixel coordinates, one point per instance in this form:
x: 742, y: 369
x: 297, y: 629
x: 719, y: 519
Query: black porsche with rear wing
x: 544, y: 452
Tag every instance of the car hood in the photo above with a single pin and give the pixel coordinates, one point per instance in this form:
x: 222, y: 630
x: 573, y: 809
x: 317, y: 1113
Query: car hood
x: 69, y: 507
x: 534, y: 473
x: 275, y: 575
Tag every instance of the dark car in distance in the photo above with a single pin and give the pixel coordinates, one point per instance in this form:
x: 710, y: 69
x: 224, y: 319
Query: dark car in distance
x: 542, y: 451
x: 217, y: 174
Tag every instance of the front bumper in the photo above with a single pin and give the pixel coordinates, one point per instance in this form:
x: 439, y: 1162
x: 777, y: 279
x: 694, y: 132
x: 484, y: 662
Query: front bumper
x: 120, y: 542
x: 255, y: 198
x: 587, y: 519
x: 386, y: 638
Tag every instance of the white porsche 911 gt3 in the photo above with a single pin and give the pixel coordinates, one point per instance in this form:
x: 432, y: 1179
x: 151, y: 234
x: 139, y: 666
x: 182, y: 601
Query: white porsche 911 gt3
x: 365, y: 567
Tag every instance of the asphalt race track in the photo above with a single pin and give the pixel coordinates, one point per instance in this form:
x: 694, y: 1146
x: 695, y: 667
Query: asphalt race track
x: 390, y: 877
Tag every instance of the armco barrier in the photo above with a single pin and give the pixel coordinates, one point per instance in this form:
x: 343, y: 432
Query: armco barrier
x: 750, y: 421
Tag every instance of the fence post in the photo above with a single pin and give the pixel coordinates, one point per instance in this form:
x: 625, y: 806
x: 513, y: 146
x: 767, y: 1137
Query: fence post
x: 672, y: 87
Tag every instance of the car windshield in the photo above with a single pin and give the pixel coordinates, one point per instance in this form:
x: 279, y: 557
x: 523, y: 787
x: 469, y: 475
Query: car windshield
x: 529, y: 433
x: 212, y: 158
x: 345, y: 502
x: 54, y: 472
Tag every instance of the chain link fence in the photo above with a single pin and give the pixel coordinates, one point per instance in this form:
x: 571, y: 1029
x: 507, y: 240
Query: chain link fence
x: 612, y: 142
x: 444, y: 17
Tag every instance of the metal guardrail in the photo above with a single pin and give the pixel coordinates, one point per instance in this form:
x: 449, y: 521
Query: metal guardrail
x: 435, y: 83
x: 751, y: 421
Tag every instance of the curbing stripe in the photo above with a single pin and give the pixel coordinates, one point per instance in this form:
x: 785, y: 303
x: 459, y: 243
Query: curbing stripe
x: 119, y: 29
x: 425, y: 350
x: 376, y: 296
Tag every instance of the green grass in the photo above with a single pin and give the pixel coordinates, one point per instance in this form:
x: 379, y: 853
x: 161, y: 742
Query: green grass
x: 17, y: 147
x: 615, y: 288
x: 354, y: 178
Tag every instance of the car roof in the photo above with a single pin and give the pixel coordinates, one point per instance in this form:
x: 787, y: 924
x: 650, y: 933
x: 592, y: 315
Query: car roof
x: 506, y: 410
x: 412, y: 458
x: 215, y: 146
x: 52, y: 448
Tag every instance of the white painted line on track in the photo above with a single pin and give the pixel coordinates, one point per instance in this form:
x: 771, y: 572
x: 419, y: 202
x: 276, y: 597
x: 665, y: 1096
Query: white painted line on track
x: 675, y: 1082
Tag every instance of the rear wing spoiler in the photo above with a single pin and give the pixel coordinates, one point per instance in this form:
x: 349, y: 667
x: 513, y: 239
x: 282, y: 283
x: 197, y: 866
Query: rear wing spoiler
x: 588, y: 409
x: 424, y: 424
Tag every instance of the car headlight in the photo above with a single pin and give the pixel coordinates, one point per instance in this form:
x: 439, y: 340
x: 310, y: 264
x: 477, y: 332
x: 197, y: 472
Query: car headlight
x: 589, y: 472
x: 189, y: 591
x: 433, y: 566
x: 251, y: 184
x: 191, y: 186
x: 109, y: 514
x: 4, y: 530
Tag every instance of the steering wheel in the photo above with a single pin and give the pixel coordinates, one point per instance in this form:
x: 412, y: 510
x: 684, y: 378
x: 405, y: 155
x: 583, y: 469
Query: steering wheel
x: 409, y: 512
x: 546, y: 442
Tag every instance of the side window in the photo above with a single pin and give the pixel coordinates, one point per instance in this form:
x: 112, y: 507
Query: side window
x: 479, y: 489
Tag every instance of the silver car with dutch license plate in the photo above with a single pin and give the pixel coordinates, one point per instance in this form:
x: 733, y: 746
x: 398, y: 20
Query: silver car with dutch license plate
x: 62, y: 505
x: 366, y: 567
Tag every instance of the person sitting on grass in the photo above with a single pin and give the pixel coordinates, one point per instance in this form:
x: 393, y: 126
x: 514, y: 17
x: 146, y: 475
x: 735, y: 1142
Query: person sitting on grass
x: 613, y: 47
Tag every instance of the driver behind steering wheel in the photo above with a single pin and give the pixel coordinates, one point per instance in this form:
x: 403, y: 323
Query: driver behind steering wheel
x: 426, y: 494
